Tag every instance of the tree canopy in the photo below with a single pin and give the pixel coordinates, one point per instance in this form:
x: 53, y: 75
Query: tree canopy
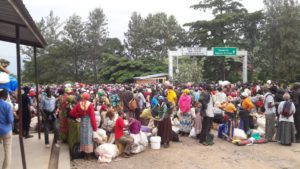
x: 80, y: 49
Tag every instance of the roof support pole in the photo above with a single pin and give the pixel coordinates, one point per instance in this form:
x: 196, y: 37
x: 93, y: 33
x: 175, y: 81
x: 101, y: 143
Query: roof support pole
x: 20, y: 112
x: 245, y: 68
x: 37, y: 91
x: 170, y: 66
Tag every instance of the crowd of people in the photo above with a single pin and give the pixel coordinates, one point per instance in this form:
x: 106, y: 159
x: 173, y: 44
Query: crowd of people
x: 117, y: 108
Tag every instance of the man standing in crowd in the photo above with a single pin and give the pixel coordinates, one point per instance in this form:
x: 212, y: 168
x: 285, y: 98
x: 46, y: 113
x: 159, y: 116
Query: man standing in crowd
x: 128, y: 96
x: 26, y: 112
x: 207, y: 113
x: 270, y: 113
x: 6, y: 122
x: 49, y: 114
x: 141, y: 102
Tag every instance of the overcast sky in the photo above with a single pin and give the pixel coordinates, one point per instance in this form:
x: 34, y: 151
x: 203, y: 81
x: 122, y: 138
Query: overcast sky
x: 117, y: 12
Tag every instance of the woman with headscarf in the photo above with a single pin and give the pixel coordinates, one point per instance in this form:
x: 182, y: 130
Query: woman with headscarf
x: 66, y: 102
x: 246, y: 107
x: 285, y: 133
x: 85, y: 110
x: 185, y: 116
x: 171, y: 95
x: 164, y: 123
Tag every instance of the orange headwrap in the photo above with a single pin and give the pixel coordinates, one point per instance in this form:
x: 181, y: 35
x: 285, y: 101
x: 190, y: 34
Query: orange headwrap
x: 85, y: 96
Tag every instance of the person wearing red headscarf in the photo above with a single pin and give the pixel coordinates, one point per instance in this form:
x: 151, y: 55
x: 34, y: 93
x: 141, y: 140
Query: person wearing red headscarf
x: 85, y: 110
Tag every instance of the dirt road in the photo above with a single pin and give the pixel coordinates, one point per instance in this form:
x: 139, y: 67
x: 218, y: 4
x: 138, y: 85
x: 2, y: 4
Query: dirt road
x: 189, y: 154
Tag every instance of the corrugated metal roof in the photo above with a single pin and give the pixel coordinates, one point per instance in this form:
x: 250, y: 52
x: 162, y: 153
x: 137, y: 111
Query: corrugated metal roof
x: 150, y: 76
x: 12, y: 13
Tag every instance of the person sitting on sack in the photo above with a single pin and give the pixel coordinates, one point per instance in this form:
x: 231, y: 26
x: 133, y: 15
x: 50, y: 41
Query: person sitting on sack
x: 121, y: 137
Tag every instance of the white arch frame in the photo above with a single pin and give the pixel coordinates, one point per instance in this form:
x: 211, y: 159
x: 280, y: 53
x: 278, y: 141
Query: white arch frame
x: 202, y: 51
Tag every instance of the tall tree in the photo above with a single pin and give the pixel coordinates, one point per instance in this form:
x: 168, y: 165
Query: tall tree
x: 122, y: 70
x: 152, y: 36
x: 96, y: 33
x: 224, y: 30
x: 282, y: 36
x: 74, y: 38
x: 135, y: 36
x: 252, y: 31
x: 50, y: 27
x: 113, y: 46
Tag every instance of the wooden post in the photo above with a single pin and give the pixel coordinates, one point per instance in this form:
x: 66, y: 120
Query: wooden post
x: 37, y: 92
x: 20, y: 98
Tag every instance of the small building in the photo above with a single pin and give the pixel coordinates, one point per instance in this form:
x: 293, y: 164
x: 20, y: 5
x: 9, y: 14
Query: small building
x: 151, y: 79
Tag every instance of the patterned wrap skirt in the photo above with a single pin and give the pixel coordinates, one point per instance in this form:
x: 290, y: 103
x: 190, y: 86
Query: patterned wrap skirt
x: 86, y: 135
x: 186, y: 122
x: 63, y: 126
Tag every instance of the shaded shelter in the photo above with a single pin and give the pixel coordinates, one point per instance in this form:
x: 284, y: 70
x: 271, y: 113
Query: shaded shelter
x: 17, y: 26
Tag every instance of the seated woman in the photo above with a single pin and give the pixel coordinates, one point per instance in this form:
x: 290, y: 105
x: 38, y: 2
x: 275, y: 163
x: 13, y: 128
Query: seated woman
x: 229, y: 119
x: 134, y: 126
x: 218, y: 113
x: 109, y: 123
x: 121, y: 137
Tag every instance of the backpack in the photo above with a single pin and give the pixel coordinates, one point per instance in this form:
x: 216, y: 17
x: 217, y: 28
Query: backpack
x: 132, y: 104
x: 286, y: 112
x: 253, y: 90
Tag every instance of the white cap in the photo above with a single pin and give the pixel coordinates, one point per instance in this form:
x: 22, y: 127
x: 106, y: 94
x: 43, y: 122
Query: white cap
x: 245, y: 94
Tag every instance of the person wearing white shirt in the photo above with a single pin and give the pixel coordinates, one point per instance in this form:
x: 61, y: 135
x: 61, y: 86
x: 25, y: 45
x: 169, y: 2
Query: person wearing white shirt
x: 220, y: 96
x: 285, y: 133
x: 207, y: 112
x: 270, y: 113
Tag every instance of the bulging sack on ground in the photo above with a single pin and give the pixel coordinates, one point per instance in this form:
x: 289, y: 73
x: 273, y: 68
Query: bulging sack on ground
x: 106, y: 152
x: 140, y: 142
x: 239, y: 133
x: 33, y: 123
x: 193, y: 133
x: 100, y: 136
x: 175, y: 129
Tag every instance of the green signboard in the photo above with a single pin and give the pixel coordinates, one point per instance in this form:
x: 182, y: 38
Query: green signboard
x: 221, y: 51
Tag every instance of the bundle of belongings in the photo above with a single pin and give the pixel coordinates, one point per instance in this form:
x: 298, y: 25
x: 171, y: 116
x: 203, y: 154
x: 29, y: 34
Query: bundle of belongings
x: 106, y: 152
x: 140, y: 138
x: 140, y: 142
x: 240, y: 138
x: 6, y: 81
x: 99, y: 136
